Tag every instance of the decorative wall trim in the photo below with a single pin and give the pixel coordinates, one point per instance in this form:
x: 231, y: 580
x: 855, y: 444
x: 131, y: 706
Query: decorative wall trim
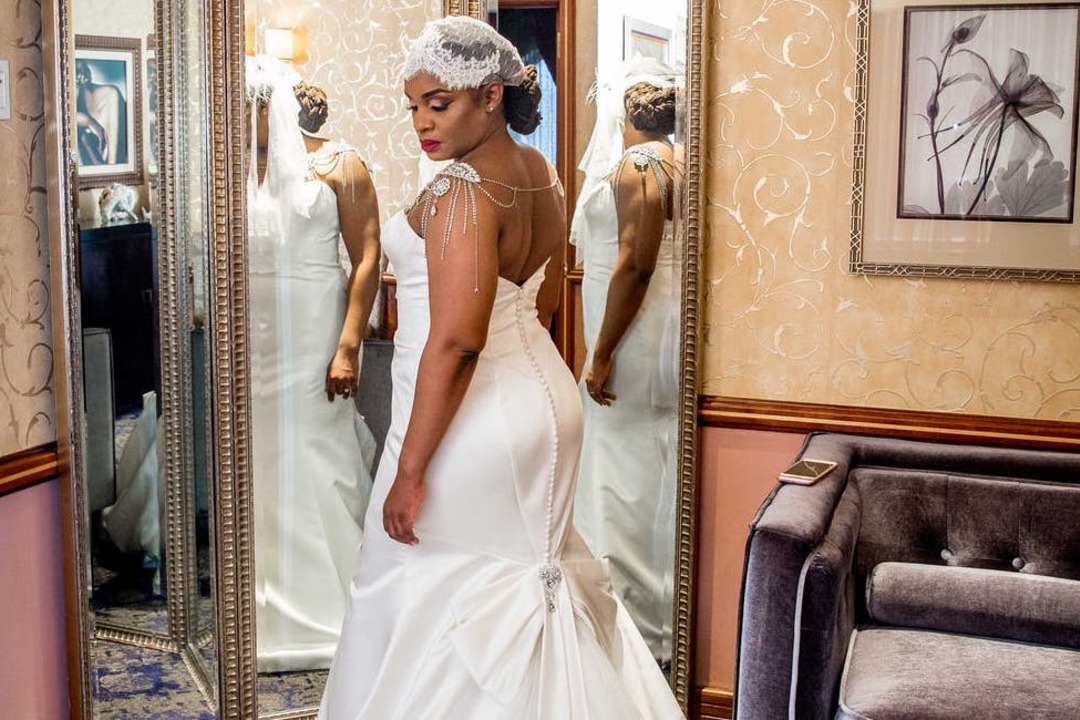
x: 750, y: 414
x: 711, y: 704
x: 26, y: 468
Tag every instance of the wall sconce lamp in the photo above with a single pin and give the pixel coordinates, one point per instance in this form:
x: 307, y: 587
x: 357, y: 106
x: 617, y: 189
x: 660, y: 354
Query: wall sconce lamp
x: 280, y: 43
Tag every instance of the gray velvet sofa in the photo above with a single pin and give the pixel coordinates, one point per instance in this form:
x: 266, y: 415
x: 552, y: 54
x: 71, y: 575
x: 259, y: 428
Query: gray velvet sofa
x: 916, y: 581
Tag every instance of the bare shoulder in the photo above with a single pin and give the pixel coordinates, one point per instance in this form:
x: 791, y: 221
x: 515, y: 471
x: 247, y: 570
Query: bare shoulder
x: 524, y: 167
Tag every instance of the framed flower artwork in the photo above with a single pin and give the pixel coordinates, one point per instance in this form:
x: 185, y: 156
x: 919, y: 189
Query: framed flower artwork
x: 965, y: 154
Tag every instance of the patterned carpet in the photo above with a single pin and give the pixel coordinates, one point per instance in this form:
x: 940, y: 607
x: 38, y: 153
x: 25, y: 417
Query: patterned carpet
x: 133, y: 683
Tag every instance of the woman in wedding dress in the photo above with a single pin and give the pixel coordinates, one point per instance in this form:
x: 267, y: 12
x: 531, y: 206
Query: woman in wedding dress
x: 625, y: 505
x: 310, y: 449
x: 475, y: 598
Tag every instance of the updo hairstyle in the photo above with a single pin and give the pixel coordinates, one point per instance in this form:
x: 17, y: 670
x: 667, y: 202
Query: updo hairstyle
x: 650, y: 108
x: 522, y: 102
x: 314, y: 108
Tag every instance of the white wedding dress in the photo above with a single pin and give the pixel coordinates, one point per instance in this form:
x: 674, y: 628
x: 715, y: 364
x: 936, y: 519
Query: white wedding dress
x: 625, y: 505
x: 500, y: 612
x: 310, y: 457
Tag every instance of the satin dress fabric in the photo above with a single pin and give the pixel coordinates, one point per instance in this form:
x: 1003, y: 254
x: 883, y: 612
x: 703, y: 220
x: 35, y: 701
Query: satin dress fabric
x: 626, y: 495
x: 500, y: 612
x: 310, y: 457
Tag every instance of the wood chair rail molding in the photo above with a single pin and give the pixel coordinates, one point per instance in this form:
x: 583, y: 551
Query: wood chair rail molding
x: 772, y: 415
x: 711, y: 704
x: 25, y: 468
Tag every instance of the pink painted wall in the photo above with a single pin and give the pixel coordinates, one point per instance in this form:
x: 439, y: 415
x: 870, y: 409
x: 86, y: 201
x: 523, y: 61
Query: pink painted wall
x: 33, y: 674
x: 738, y: 468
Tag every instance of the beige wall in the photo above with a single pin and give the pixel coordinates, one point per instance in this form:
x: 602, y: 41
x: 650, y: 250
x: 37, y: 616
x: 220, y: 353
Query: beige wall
x: 27, y: 406
x: 783, y: 318
x: 360, y: 69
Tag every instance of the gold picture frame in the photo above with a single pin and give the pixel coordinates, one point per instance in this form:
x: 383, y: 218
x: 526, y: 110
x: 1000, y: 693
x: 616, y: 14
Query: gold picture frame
x: 890, y: 236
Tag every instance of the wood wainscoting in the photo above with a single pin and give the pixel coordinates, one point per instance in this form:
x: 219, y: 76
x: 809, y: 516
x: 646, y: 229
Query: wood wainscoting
x: 28, y: 467
x: 711, y: 704
x: 752, y: 414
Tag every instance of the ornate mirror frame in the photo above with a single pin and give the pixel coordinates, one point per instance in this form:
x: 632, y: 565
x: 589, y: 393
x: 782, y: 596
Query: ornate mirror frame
x: 231, y: 371
x: 182, y: 635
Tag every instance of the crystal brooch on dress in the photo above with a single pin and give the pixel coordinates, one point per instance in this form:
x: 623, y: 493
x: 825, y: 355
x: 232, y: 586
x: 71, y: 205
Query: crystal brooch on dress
x: 550, y: 577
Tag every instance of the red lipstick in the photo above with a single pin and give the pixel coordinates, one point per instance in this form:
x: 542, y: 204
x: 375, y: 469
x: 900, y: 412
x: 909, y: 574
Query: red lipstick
x: 429, y: 145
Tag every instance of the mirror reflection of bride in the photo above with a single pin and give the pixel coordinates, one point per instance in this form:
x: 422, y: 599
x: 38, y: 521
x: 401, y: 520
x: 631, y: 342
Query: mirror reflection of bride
x: 311, y: 452
x: 624, y: 231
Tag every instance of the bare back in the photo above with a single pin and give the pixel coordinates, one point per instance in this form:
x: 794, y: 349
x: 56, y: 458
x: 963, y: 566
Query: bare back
x: 528, y: 205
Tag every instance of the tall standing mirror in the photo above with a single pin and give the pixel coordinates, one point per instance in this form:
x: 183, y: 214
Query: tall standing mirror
x: 313, y: 458
x: 129, y: 167
x: 219, y: 544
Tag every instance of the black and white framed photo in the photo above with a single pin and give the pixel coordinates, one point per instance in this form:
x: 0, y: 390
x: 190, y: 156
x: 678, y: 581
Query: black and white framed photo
x: 965, y: 152
x: 988, y: 113
x: 108, y: 110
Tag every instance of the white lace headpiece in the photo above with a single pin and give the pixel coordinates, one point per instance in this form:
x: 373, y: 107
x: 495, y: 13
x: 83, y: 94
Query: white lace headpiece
x: 464, y: 53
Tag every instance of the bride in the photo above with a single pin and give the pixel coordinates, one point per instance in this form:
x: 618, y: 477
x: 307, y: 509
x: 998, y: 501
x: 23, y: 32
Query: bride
x: 475, y: 598
x: 311, y: 451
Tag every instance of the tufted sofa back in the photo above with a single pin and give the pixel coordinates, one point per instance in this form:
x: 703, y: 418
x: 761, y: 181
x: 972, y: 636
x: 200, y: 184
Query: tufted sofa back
x: 942, y: 518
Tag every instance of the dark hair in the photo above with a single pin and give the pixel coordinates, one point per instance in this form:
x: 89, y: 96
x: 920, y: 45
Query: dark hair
x: 521, y: 103
x: 649, y: 108
x: 314, y: 108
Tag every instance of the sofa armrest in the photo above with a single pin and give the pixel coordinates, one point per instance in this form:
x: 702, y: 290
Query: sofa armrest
x: 793, y: 531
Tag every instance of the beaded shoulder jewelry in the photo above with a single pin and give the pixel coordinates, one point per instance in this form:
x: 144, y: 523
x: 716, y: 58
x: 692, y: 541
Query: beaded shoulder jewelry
x: 461, y: 182
x: 645, y: 159
x: 324, y: 161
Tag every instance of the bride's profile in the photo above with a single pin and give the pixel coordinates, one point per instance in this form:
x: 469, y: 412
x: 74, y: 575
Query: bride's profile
x: 474, y: 597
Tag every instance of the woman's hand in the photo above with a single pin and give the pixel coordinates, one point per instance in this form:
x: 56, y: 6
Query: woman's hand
x: 596, y: 378
x: 401, y: 507
x: 343, y: 374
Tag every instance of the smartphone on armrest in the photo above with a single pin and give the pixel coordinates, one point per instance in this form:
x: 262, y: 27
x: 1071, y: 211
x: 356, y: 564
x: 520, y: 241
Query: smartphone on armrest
x: 806, y: 471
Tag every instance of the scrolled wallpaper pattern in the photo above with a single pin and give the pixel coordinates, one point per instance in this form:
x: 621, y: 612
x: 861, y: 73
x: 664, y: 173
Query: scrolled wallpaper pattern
x: 27, y: 406
x: 356, y: 53
x: 784, y: 319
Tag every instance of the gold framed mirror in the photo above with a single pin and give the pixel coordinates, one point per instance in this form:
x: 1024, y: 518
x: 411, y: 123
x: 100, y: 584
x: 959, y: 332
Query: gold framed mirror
x: 127, y: 171
x: 311, y: 48
x: 201, y: 201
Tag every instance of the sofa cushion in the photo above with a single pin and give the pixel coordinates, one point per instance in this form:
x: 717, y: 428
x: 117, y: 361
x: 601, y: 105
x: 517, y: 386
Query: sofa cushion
x: 974, y: 601
x: 958, y: 520
x: 903, y: 674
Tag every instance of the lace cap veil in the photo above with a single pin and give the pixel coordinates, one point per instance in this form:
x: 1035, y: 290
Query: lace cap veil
x: 464, y: 53
x: 605, y: 148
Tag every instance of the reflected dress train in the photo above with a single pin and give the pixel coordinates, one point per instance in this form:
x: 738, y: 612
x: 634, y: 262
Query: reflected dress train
x: 310, y: 457
x: 625, y: 505
x: 500, y: 612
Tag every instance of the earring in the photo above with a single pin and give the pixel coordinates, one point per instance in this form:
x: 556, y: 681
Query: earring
x: 491, y: 110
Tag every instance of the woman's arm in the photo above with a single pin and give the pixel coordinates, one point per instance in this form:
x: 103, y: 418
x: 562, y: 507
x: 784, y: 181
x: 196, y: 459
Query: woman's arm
x: 358, y: 217
x: 640, y: 209
x: 462, y: 279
